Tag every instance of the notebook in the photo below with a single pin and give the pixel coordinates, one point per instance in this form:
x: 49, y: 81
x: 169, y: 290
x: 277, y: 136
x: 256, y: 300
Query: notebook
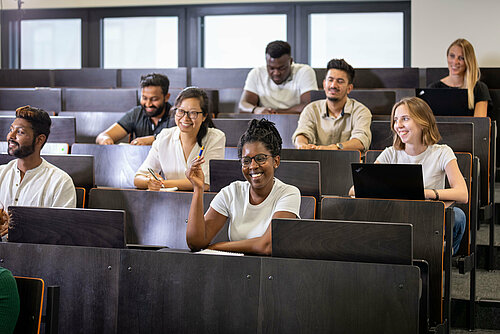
x: 67, y: 226
x: 445, y: 101
x: 393, y: 181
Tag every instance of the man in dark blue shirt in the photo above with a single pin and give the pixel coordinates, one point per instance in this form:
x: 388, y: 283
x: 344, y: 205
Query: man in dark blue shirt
x: 144, y: 122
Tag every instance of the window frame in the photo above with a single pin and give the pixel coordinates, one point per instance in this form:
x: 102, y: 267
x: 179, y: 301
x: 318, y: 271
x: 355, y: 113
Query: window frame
x: 304, y: 10
x: 190, y: 25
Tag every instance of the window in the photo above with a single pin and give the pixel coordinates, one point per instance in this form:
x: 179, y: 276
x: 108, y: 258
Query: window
x: 140, y: 42
x: 362, y: 39
x: 240, y: 40
x: 51, y: 44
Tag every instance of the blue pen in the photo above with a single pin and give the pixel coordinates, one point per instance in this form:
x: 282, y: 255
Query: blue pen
x: 201, y: 152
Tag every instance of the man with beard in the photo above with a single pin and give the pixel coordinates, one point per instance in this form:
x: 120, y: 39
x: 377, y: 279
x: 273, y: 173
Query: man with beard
x: 280, y: 87
x: 29, y: 180
x: 144, y: 121
x: 338, y: 122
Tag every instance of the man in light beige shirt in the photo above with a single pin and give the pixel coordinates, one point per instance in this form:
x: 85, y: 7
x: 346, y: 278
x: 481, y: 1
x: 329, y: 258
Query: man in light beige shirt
x: 338, y: 122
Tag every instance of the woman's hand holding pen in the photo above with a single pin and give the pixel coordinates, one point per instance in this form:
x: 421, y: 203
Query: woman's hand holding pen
x: 155, y: 184
x: 194, y: 173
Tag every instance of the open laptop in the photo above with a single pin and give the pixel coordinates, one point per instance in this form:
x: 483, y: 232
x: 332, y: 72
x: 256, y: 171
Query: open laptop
x: 445, y: 101
x: 67, y: 226
x: 335, y: 240
x: 393, y: 181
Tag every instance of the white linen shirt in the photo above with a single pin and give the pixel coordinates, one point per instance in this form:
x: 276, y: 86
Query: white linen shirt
x: 250, y: 221
x: 302, y: 79
x: 166, y: 154
x: 44, y: 186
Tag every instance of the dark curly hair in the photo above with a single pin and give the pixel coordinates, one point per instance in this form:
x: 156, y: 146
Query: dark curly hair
x: 277, y: 49
x: 201, y: 95
x: 156, y: 79
x: 262, y: 131
x: 341, y: 64
x: 38, y: 118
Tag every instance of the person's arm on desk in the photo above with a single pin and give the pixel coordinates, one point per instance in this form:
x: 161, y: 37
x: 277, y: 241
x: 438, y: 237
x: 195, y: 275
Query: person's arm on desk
x: 111, y: 135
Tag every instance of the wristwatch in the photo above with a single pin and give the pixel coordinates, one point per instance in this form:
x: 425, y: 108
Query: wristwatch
x: 340, y: 146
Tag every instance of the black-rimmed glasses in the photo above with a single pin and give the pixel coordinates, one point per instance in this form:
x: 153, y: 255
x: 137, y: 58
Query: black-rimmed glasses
x: 191, y: 114
x: 260, y: 159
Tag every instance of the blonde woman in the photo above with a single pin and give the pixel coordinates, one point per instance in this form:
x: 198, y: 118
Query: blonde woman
x: 416, y: 138
x: 464, y: 73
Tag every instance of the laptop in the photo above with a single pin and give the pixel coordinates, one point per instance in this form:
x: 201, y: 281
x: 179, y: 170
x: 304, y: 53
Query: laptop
x: 392, y: 181
x: 340, y: 240
x: 445, y: 101
x: 67, y: 226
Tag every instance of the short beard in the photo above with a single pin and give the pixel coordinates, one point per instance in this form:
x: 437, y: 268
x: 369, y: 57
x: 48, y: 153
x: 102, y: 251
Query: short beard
x: 156, y: 112
x: 333, y: 99
x: 22, y: 152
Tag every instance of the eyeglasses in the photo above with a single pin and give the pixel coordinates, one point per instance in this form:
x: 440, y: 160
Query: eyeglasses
x: 260, y: 159
x: 192, y: 114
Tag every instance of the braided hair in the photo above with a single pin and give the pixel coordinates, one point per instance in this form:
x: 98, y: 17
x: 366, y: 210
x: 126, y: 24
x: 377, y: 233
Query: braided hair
x: 262, y: 131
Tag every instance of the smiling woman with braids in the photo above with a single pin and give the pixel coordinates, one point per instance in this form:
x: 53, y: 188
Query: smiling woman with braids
x: 250, y: 205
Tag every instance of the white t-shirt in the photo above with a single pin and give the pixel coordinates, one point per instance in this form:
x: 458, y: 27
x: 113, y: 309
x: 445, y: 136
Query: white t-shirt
x: 44, y: 186
x: 166, y: 154
x: 250, y: 221
x: 433, y: 160
x: 285, y: 95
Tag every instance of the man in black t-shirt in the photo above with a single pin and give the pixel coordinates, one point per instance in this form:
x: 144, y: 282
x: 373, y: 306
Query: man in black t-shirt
x: 144, y: 122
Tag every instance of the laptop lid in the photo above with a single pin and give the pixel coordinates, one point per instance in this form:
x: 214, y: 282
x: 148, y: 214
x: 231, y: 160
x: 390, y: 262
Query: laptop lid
x: 337, y: 240
x: 67, y: 226
x: 392, y: 181
x: 445, y: 101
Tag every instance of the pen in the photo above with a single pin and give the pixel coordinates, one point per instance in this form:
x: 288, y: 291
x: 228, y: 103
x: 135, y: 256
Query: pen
x: 201, y: 152
x: 156, y: 177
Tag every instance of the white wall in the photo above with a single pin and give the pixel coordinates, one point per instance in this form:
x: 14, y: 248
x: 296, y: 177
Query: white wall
x: 437, y: 23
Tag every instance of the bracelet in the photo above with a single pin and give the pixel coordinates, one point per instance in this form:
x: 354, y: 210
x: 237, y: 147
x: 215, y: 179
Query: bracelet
x: 437, y: 195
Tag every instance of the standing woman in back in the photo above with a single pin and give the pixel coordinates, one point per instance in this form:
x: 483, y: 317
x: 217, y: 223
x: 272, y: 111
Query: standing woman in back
x: 464, y: 73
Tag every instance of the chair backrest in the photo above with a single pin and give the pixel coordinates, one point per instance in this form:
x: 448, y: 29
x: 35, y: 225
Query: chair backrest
x: 80, y: 197
x: 25, y: 78
x: 219, y: 77
x: 427, y: 218
x: 405, y: 77
x: 285, y: 124
x: 379, y: 102
x: 31, y: 302
x: 305, y: 175
x: 340, y: 240
x: 131, y: 78
x: 67, y: 226
x: 89, y: 124
x: 115, y: 165
x: 482, y: 144
x: 94, y: 99
x: 63, y: 129
x: 336, y: 176
x: 79, y: 167
x: 153, y: 218
x: 48, y: 99
x: 232, y: 128
x: 90, y: 77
